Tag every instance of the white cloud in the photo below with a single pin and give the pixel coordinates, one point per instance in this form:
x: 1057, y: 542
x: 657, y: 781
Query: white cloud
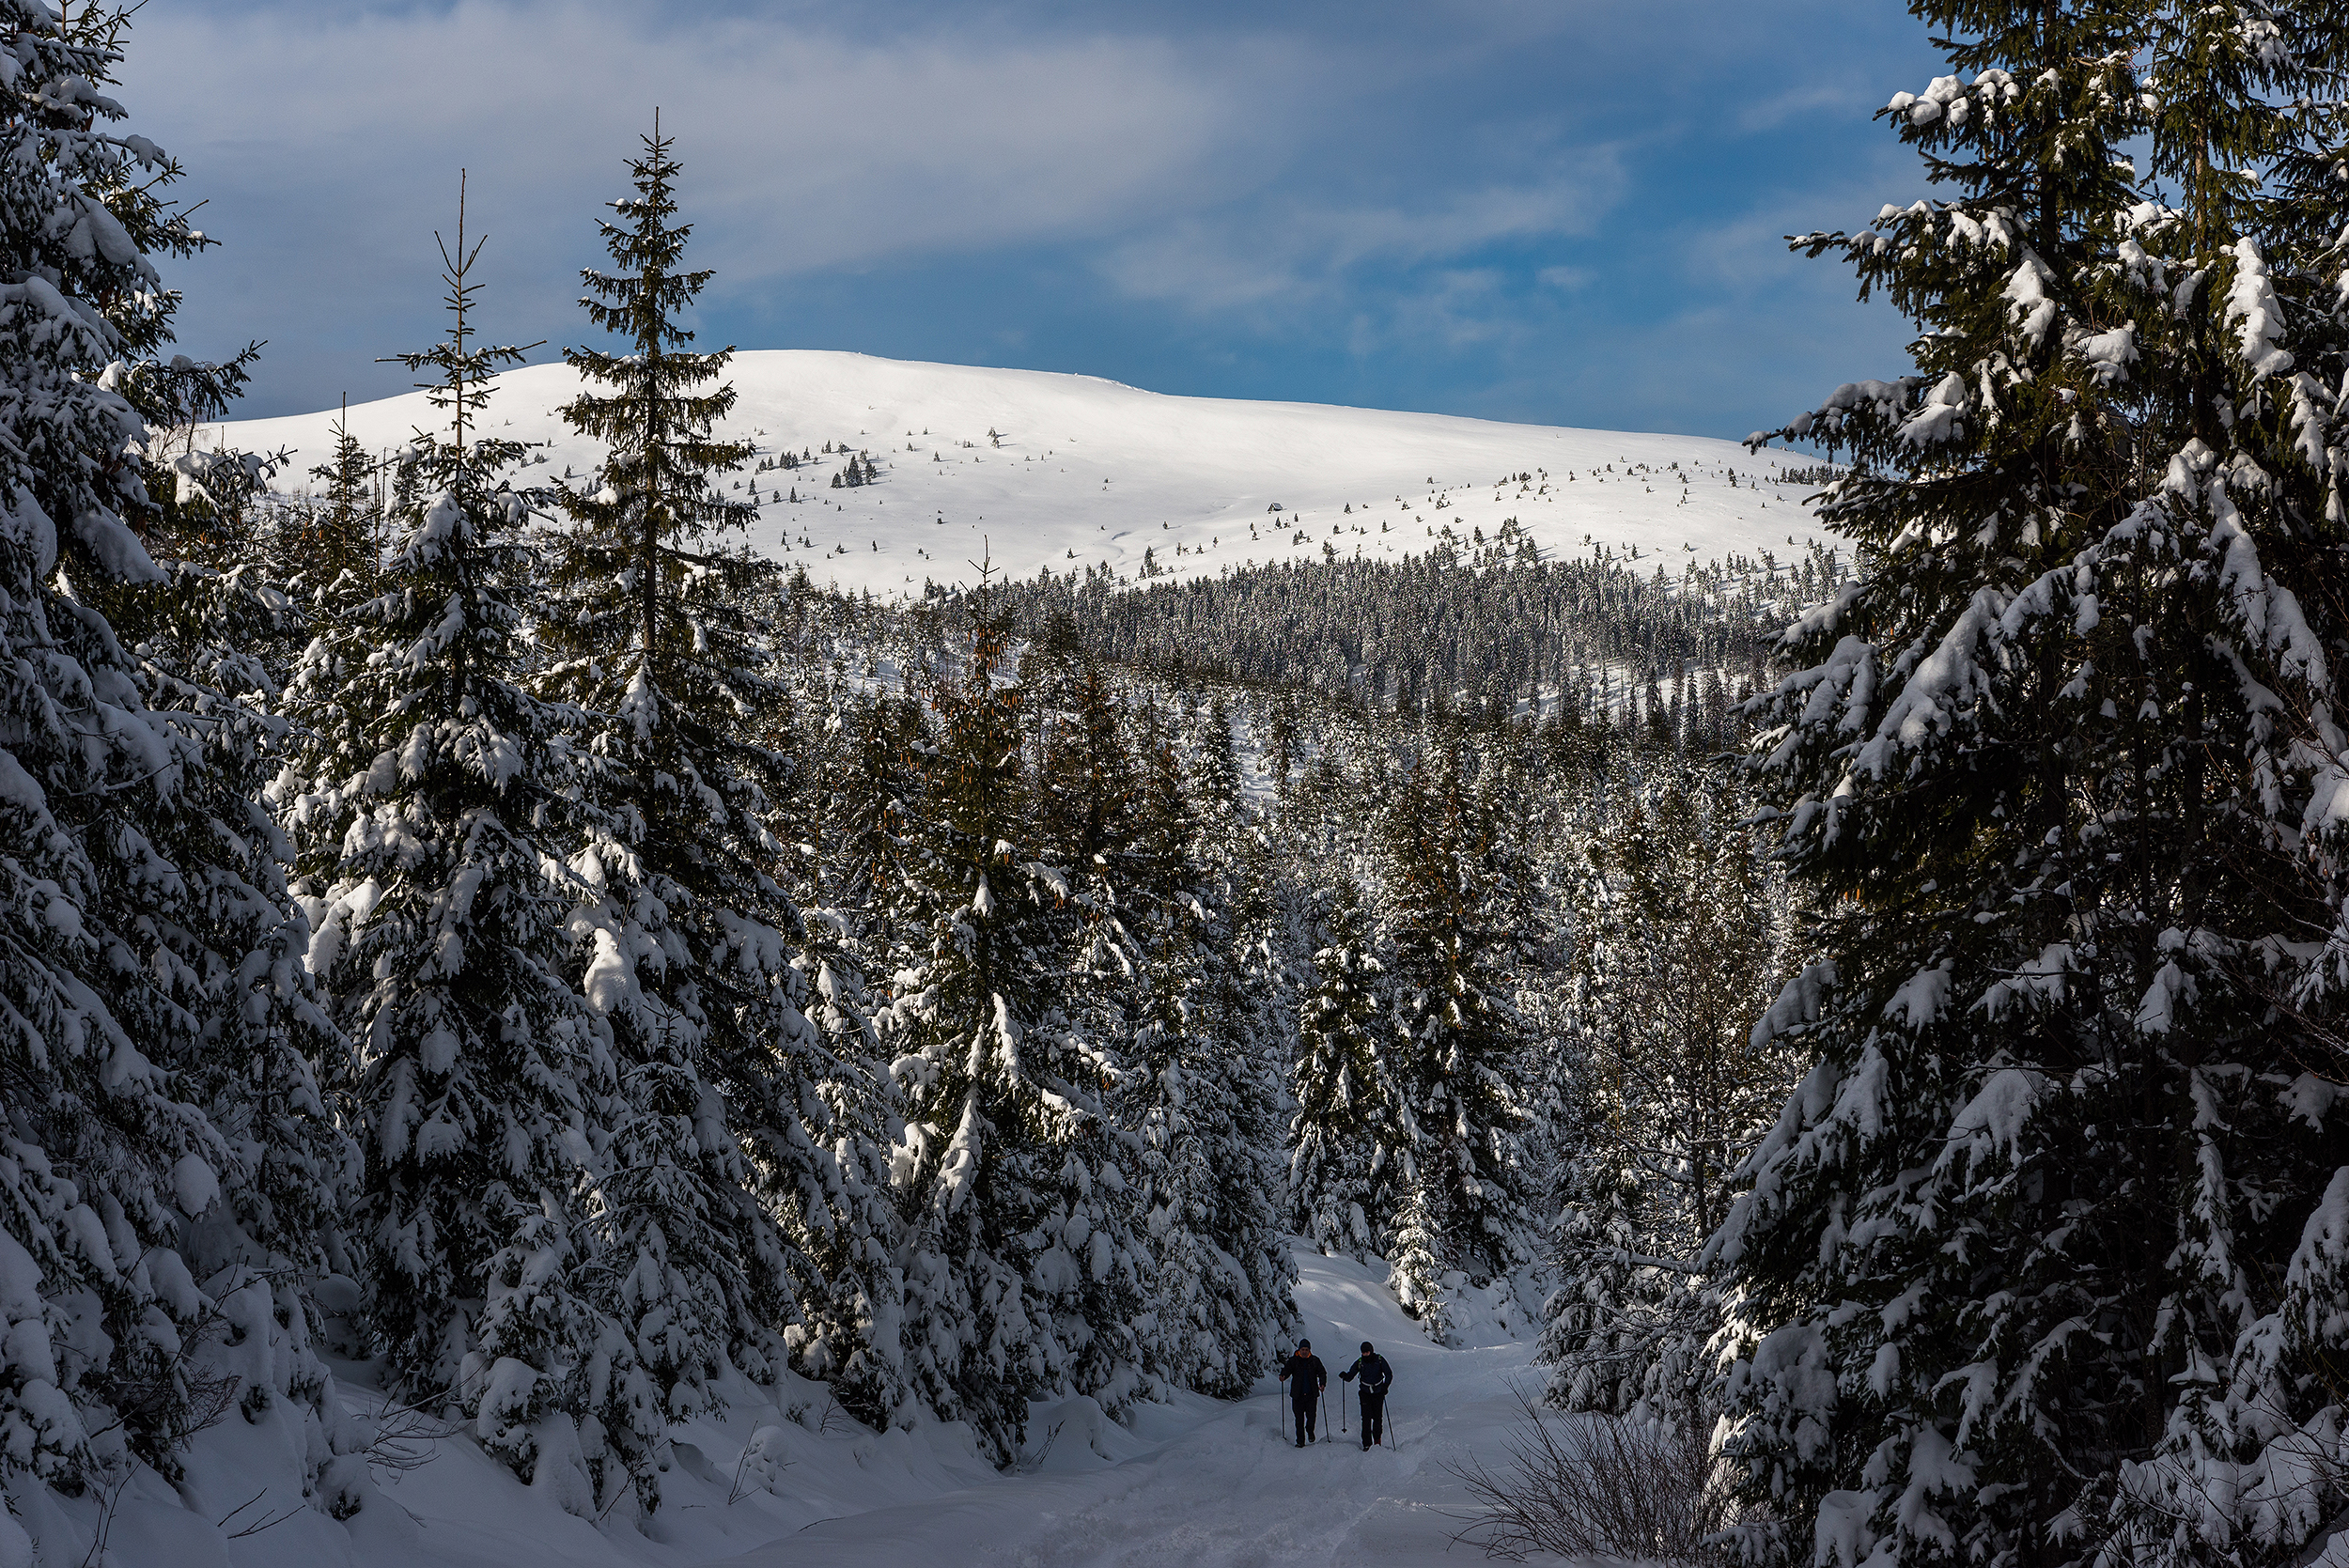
x: 1841, y: 97
x: 804, y: 150
x: 1273, y: 253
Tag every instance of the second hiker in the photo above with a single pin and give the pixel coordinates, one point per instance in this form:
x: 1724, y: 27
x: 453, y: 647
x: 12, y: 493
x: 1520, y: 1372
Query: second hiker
x: 1375, y: 1375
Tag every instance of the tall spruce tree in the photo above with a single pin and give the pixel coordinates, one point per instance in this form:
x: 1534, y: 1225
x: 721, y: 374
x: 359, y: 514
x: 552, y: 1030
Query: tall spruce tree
x: 1016, y: 1200
x: 1094, y: 823
x: 1346, y: 1140
x: 859, y: 757
x: 1246, y: 1024
x: 1676, y: 940
x: 483, y: 1079
x: 166, y: 1159
x: 1202, y: 1099
x: 1455, y: 922
x: 209, y: 645
x: 735, y: 1167
x: 2042, y: 1260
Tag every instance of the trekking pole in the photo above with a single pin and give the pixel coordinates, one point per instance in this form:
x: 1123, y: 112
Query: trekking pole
x: 1342, y: 1407
x: 1325, y: 1412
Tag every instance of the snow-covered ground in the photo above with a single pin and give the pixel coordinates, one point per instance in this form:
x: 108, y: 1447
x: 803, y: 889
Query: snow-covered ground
x: 1080, y: 471
x: 1206, y: 1485
x: 1196, y: 1483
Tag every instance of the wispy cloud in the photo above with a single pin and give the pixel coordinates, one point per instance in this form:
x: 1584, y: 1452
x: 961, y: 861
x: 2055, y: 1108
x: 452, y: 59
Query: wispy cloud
x: 1767, y: 113
x: 1278, y: 251
x: 807, y: 148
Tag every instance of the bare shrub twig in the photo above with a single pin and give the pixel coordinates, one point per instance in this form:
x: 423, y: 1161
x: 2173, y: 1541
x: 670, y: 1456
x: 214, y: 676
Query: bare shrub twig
x: 1592, y: 1485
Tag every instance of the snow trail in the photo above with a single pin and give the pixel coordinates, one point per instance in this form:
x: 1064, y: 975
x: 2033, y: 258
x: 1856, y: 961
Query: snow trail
x: 1203, y: 1484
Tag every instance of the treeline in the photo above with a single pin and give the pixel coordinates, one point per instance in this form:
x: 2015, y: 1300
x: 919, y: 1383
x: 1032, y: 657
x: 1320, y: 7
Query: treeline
x: 1484, y: 628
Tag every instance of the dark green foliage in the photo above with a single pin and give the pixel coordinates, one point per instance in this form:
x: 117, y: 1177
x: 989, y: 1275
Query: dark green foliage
x: 1455, y: 929
x: 1678, y: 927
x: 165, y: 1151
x: 745, y: 1146
x: 2030, y: 1258
x: 1012, y: 1183
x: 482, y: 1079
x: 1345, y: 1140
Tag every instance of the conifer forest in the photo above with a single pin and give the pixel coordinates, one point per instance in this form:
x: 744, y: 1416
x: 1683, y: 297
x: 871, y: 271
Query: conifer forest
x: 505, y: 968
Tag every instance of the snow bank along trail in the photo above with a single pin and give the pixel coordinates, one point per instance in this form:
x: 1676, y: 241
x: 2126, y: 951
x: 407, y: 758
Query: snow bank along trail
x: 1042, y: 470
x: 1203, y: 1484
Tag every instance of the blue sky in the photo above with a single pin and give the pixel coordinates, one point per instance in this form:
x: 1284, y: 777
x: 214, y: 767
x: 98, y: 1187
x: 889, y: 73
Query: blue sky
x: 1560, y: 213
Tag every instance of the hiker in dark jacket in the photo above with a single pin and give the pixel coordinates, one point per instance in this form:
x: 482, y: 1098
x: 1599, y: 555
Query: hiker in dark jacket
x: 1306, y: 1377
x: 1377, y: 1377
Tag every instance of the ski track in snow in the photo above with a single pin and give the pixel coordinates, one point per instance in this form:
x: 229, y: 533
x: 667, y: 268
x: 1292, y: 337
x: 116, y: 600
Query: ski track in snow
x: 1092, y: 472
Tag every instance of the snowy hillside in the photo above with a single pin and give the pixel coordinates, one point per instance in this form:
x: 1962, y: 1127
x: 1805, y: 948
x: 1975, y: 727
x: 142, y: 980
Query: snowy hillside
x: 1083, y: 470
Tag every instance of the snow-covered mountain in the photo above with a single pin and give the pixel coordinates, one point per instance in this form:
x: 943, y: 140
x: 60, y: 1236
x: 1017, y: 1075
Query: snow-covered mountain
x: 1077, y: 470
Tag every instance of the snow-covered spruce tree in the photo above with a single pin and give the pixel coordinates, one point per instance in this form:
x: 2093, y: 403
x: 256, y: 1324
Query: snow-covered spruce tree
x: 344, y: 527
x: 215, y: 638
x: 1121, y: 862
x: 1676, y: 938
x: 730, y: 1172
x: 143, y: 945
x: 859, y: 755
x: 427, y: 775
x: 866, y: 853
x: 1346, y: 1140
x: 211, y: 636
x: 2035, y: 1259
x: 849, y: 1337
x: 1010, y: 1178
x: 1455, y: 887
x: 208, y: 646
x: 1204, y: 1103
x: 1249, y: 1022
x: 185, y: 516
x: 1211, y: 765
